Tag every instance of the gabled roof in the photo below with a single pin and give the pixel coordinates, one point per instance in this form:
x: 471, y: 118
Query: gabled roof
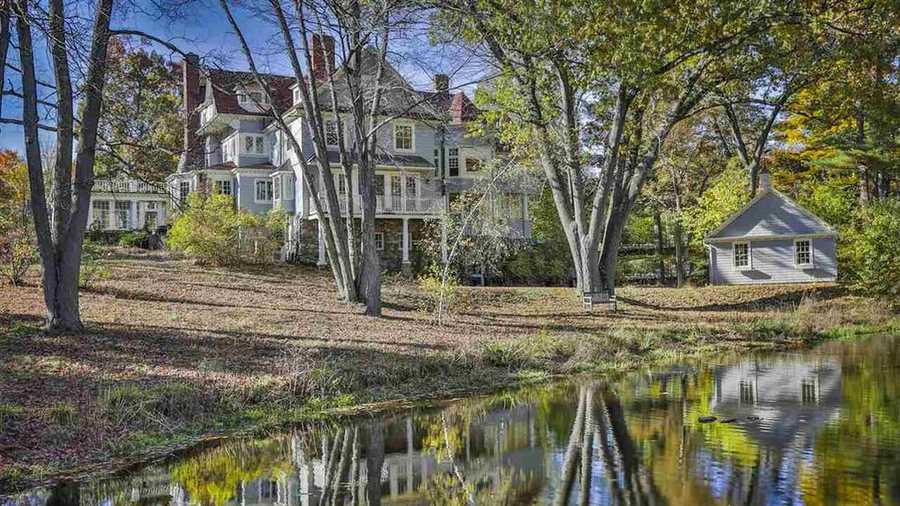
x: 225, y: 84
x: 771, y: 214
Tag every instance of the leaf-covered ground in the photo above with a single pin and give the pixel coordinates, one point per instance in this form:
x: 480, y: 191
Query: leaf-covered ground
x: 173, y: 350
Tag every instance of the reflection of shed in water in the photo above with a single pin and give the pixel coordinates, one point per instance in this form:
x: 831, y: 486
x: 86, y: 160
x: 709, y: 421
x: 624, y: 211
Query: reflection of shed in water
x: 787, y: 394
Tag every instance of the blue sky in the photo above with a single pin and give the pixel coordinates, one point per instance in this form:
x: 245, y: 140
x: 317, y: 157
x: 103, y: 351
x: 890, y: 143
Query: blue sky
x: 203, y: 29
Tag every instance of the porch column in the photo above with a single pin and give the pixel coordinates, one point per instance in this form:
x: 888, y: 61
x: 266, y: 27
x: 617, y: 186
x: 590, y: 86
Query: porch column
x: 405, y: 262
x: 132, y: 215
x: 321, y: 261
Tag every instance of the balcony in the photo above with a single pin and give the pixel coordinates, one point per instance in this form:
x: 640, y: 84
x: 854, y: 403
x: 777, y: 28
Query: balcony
x: 393, y: 204
x: 126, y: 186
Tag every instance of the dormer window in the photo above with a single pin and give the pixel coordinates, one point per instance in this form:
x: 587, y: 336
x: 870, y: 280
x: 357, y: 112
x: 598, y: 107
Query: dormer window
x: 403, y: 137
x: 252, y: 98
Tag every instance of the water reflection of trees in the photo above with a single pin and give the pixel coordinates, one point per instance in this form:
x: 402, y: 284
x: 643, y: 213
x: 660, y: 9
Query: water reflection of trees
x: 635, y: 442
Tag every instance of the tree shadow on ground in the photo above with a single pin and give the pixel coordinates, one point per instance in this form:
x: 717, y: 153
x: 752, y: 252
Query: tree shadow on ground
x: 779, y: 301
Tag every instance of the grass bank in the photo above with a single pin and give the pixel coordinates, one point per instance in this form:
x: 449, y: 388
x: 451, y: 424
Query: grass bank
x: 175, y: 353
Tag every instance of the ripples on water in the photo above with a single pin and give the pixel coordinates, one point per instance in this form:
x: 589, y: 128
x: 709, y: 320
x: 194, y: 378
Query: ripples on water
x: 816, y: 428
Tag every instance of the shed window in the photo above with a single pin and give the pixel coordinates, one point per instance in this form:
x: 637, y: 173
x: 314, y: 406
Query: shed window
x: 741, y: 252
x: 803, y: 252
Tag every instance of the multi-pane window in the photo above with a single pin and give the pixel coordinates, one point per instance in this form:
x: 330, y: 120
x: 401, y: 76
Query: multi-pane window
x: 342, y: 184
x: 123, y: 214
x: 379, y: 184
x: 453, y: 161
x: 741, y: 252
x: 437, y: 165
x: 331, y: 132
x: 264, y: 190
x: 254, y: 144
x: 184, y: 188
x: 803, y: 252
x: 403, y: 137
x: 379, y: 241
x: 222, y: 187
x: 100, y: 214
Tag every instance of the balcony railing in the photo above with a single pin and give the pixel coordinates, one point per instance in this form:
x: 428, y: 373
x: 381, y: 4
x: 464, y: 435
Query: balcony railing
x: 392, y: 204
x: 126, y: 186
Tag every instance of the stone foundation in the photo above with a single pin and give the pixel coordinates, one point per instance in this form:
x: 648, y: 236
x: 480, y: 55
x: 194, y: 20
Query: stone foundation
x: 304, y: 245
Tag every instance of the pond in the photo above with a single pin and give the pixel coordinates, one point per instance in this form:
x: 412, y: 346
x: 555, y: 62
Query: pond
x: 821, y: 426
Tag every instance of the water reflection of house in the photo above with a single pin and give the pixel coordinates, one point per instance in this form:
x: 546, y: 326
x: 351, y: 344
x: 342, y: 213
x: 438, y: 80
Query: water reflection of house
x: 791, y: 396
x: 497, y: 447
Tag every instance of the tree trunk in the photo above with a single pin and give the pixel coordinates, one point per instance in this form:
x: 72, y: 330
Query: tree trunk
x: 60, y: 240
x: 370, y: 273
x: 678, y: 237
x: 862, y: 169
x: 374, y: 463
x: 661, y: 266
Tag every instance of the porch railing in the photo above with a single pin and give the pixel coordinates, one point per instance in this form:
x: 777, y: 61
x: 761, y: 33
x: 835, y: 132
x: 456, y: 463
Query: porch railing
x: 392, y: 204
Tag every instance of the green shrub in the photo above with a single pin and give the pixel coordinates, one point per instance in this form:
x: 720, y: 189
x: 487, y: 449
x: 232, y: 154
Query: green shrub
x: 135, y: 239
x: 440, y: 294
x: 18, y: 250
x: 868, y: 249
x: 212, y: 231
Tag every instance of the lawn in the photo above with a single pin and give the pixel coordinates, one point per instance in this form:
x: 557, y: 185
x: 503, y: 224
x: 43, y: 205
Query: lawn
x: 174, y: 352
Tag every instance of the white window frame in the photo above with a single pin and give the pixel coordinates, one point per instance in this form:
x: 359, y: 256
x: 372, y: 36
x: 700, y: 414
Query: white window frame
x: 379, y: 241
x: 182, y: 186
x: 219, y: 187
x: 452, y: 159
x: 809, y: 264
x: 412, y: 135
x: 122, y: 221
x: 256, y: 143
x: 749, y: 265
x: 268, y: 183
x: 100, y: 214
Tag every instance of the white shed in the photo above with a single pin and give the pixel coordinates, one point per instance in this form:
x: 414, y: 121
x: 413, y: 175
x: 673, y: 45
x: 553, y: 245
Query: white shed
x: 772, y: 240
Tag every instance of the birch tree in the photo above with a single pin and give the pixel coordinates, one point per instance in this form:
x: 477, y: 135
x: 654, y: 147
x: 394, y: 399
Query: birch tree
x: 362, y: 95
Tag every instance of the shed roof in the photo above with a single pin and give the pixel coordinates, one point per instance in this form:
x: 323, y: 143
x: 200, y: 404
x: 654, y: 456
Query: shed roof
x: 771, y: 214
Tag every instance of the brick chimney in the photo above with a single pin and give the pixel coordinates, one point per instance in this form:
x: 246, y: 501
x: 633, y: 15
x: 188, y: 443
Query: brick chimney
x: 191, y: 98
x: 322, y: 56
x: 441, y: 83
x: 460, y: 108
